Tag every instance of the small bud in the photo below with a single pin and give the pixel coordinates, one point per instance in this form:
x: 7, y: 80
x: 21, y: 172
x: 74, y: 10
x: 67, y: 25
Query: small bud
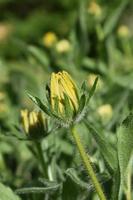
x: 2, y: 96
x: 3, y: 108
x: 33, y: 124
x: 94, y: 9
x: 123, y: 31
x: 63, y: 46
x: 105, y: 112
x: 49, y: 39
x: 5, y: 31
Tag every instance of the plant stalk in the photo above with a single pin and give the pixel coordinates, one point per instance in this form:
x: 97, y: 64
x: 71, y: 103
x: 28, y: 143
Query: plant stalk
x: 87, y: 164
x: 41, y: 158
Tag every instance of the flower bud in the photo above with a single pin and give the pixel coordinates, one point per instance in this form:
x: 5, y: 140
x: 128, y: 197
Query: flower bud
x: 62, y: 85
x: 105, y: 112
x: 33, y: 124
x: 94, y: 9
x: 49, y: 39
x: 63, y: 46
x: 123, y: 31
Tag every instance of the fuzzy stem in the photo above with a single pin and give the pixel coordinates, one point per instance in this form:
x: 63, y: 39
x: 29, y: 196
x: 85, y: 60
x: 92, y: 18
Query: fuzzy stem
x: 41, y: 158
x: 87, y: 164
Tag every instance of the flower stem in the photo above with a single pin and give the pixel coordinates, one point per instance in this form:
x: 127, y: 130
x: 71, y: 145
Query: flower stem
x: 87, y: 164
x: 41, y: 158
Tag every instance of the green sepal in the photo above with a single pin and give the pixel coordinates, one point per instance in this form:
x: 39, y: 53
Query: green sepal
x: 42, y: 106
x: 84, y: 88
x: 67, y: 107
x: 92, y: 90
x: 82, y: 103
x: 56, y: 105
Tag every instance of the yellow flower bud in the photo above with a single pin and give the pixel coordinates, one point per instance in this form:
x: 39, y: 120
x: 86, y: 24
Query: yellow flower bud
x: 123, y: 31
x: 49, y: 39
x: 63, y: 46
x: 105, y: 111
x: 5, y: 31
x: 62, y: 84
x: 2, y: 96
x: 3, y: 108
x: 94, y: 9
x: 33, y: 123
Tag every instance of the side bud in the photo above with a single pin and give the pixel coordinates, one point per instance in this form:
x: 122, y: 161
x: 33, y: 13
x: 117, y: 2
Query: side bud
x: 34, y: 124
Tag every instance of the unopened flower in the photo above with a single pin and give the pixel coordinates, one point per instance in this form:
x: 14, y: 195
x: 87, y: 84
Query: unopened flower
x: 66, y: 104
x: 62, y: 86
x: 49, y: 39
x: 123, y: 31
x: 2, y: 96
x: 3, y: 108
x: 33, y: 123
x: 5, y: 31
x: 94, y: 9
x: 63, y: 46
x: 105, y: 111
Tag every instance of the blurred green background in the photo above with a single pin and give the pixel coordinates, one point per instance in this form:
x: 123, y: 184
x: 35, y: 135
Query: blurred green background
x: 84, y: 37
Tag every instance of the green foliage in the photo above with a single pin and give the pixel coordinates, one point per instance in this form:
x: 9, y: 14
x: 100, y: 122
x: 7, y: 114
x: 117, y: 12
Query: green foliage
x: 7, y: 193
x: 94, y: 44
x: 125, y: 149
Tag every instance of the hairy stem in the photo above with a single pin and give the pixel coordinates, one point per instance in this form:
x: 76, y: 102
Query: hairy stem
x: 87, y: 164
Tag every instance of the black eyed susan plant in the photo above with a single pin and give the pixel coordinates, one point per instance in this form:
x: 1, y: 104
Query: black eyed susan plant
x: 67, y: 106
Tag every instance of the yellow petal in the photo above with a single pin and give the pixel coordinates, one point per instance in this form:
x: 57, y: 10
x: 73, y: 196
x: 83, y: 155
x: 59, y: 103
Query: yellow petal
x: 25, y: 120
x: 55, y: 91
x: 70, y: 88
x: 33, y: 118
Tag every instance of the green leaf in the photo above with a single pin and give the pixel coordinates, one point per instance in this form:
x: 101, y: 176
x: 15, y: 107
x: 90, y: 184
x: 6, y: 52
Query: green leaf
x: 107, y: 150
x: 74, y: 177
x: 92, y: 90
x: 38, y: 102
x: 125, y: 80
x: 113, y: 18
x: 38, y: 189
x: 7, y: 194
x: 125, y: 148
x: 40, y: 56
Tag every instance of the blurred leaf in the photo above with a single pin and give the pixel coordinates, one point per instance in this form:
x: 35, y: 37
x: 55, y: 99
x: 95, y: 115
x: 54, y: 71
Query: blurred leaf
x: 7, y: 194
x: 40, y: 56
x: 113, y: 18
x: 125, y: 80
